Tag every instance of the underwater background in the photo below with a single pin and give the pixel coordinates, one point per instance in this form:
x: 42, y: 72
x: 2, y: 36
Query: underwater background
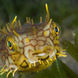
x: 65, y: 14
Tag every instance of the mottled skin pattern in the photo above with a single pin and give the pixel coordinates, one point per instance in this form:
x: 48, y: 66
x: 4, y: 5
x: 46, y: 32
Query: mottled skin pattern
x: 38, y: 46
x: 31, y: 47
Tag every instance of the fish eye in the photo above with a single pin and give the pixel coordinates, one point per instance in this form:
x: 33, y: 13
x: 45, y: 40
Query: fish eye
x: 10, y: 45
x: 56, y: 29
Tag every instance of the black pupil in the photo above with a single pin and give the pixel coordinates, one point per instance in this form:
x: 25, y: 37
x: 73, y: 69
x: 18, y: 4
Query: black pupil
x: 56, y: 29
x: 9, y: 43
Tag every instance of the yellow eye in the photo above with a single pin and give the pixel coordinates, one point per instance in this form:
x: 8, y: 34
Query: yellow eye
x: 9, y: 45
x: 57, y: 29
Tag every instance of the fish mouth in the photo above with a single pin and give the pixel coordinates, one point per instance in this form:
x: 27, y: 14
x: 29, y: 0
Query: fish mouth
x: 43, y: 55
x: 47, y: 51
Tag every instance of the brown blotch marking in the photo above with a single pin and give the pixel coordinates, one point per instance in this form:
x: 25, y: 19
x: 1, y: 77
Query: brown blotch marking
x: 24, y: 64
